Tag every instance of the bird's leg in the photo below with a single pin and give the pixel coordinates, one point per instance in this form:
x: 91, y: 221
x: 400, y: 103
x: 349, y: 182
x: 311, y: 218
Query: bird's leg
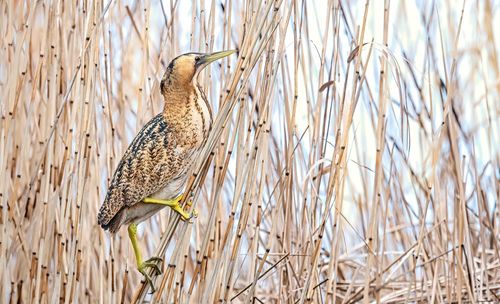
x: 141, y: 266
x: 175, y: 205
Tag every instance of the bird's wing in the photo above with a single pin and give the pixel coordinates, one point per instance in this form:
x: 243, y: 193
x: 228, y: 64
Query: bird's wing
x: 145, y: 168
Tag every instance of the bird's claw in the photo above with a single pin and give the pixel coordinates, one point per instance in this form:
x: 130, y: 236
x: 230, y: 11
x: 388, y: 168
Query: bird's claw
x: 186, y: 217
x: 192, y: 215
x: 149, y: 281
x: 150, y: 263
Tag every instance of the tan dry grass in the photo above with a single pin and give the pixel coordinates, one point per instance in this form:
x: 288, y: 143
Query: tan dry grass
x: 354, y: 157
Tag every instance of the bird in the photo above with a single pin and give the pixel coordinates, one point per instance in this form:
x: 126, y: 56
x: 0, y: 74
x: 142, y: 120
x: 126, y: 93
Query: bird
x: 154, y: 169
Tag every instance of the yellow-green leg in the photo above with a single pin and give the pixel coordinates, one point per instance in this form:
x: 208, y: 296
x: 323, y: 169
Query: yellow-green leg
x: 174, y: 204
x: 141, y: 266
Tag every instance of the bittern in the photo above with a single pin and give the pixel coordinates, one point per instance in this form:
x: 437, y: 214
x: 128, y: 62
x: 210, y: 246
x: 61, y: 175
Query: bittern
x: 153, y: 171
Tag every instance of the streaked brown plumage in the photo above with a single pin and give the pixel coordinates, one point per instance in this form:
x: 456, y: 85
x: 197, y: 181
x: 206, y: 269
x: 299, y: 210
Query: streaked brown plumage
x: 156, y: 158
x: 156, y: 164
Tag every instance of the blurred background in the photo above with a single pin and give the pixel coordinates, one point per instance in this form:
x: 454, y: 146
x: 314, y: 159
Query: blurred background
x: 354, y: 156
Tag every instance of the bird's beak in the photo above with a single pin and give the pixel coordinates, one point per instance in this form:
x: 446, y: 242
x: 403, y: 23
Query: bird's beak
x: 209, y: 58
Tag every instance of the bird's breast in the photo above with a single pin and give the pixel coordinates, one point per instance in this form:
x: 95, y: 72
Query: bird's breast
x: 203, y: 112
x: 197, y: 122
x: 190, y: 117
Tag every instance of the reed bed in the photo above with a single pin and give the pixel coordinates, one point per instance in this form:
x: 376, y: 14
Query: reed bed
x: 354, y: 157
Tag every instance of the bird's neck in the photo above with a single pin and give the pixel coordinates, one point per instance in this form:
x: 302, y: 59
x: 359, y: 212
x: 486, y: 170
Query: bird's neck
x: 187, y: 111
x: 177, y: 100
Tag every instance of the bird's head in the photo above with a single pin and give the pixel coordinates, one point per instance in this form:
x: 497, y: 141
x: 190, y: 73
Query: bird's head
x: 184, y: 69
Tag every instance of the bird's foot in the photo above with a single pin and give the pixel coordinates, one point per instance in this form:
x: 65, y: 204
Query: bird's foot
x: 175, y: 205
x: 186, y: 217
x: 150, y: 263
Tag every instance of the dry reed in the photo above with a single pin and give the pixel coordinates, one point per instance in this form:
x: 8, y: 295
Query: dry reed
x: 354, y: 156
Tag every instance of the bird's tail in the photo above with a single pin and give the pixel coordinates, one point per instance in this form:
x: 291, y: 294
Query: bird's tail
x: 107, y: 220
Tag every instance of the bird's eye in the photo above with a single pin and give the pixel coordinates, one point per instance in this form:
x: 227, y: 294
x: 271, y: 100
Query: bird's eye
x: 197, y: 58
